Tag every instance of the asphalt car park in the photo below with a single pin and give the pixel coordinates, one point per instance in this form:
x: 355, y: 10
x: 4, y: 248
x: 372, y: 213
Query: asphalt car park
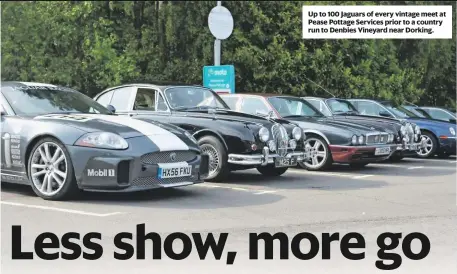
x: 406, y: 196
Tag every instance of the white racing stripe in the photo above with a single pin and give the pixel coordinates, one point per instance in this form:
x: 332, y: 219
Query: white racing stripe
x: 164, y: 139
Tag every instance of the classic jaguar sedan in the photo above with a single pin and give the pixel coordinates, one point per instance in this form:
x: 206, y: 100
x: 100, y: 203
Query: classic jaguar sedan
x: 330, y: 141
x: 343, y: 110
x: 233, y: 140
x: 60, y: 141
x: 438, y: 137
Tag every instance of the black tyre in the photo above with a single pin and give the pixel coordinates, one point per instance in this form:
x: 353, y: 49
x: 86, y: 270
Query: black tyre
x: 271, y: 170
x: 50, y: 170
x: 431, y: 145
x: 321, y: 157
x: 218, y: 166
x: 358, y: 165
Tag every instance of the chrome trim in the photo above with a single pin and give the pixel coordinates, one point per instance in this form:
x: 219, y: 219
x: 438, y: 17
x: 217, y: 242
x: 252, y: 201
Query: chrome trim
x: 265, y: 158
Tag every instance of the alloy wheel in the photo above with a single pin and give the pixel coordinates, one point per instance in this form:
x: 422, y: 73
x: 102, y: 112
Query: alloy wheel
x: 48, y: 168
x: 425, y: 151
x: 318, y: 152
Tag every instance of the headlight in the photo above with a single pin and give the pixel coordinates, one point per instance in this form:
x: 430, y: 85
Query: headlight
x: 403, y: 130
x: 354, y: 140
x: 106, y: 140
x: 391, y: 137
x: 417, y: 130
x: 272, y: 145
x: 192, y: 138
x: 264, y: 134
x: 361, y: 139
x: 452, y: 130
x: 293, y: 144
x: 297, y: 133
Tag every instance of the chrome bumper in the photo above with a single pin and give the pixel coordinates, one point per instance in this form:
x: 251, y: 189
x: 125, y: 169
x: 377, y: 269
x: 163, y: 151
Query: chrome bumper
x: 265, y: 157
x: 411, y: 147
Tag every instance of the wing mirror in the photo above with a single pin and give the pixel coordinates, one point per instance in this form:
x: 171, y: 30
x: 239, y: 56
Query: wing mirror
x: 384, y: 113
x: 111, y: 108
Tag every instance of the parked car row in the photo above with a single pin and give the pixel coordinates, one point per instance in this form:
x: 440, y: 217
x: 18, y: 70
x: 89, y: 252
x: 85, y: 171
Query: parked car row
x: 143, y: 136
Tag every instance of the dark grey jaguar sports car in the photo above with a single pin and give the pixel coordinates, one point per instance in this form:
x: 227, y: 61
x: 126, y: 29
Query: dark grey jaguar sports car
x: 58, y: 141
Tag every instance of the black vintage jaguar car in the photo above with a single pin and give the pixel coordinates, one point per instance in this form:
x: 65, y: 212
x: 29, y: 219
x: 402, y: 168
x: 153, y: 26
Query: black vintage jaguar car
x: 328, y: 140
x: 233, y: 141
x: 343, y: 110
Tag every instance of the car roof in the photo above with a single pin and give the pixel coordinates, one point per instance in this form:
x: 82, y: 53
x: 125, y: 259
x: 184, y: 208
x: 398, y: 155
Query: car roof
x: 264, y: 95
x: 155, y: 84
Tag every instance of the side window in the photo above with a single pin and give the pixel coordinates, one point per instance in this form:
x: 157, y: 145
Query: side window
x: 121, y: 98
x: 439, y: 114
x: 105, y: 98
x: 254, y: 105
x: 368, y: 108
x: 315, y: 103
x: 145, y: 99
x: 161, y: 104
x: 231, y: 101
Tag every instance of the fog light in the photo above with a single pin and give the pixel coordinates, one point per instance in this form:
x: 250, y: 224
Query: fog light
x: 272, y: 145
x: 254, y: 147
x: 293, y: 144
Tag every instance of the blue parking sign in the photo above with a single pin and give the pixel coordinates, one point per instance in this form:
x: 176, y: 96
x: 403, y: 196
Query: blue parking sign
x: 221, y: 79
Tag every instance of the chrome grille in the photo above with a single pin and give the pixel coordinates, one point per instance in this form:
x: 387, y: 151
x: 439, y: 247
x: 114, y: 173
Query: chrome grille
x: 167, y: 157
x: 154, y: 182
x: 281, y: 138
x: 377, y: 138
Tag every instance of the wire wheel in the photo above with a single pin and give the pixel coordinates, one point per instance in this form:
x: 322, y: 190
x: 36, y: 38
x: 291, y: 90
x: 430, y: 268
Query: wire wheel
x: 318, y: 152
x: 49, y: 168
x: 214, y: 158
x: 428, y: 148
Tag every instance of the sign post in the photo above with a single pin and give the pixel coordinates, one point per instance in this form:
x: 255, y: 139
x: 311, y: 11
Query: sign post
x: 219, y: 78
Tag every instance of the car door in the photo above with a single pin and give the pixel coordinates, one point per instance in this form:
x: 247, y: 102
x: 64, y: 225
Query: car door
x: 12, y: 142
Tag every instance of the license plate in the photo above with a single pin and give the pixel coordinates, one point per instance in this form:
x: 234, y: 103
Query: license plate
x: 166, y: 171
x: 382, y: 151
x: 285, y: 162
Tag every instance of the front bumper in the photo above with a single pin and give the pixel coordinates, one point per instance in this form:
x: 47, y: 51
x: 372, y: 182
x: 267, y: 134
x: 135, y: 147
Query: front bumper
x: 360, y: 154
x: 265, y: 157
x: 118, y: 171
x: 448, y: 145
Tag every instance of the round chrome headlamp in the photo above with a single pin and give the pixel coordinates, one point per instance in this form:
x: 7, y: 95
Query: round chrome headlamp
x: 293, y: 144
x: 361, y: 139
x: 272, y: 145
x: 354, y: 140
x: 452, y: 131
x: 297, y: 133
x: 417, y: 130
x: 264, y: 134
x: 403, y: 130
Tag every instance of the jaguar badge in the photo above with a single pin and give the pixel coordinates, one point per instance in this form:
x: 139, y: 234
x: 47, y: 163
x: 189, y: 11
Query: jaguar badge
x: 173, y: 156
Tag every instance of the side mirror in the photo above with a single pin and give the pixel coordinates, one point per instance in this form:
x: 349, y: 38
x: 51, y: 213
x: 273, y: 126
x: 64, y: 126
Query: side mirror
x: 384, y: 113
x: 111, y: 108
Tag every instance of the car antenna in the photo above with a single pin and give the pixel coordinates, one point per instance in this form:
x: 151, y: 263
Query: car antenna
x: 333, y: 96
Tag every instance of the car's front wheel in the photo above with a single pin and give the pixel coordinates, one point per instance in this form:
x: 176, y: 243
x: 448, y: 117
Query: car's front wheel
x: 50, y: 170
x: 271, y: 170
x: 431, y: 144
x: 218, y: 167
x: 321, y: 157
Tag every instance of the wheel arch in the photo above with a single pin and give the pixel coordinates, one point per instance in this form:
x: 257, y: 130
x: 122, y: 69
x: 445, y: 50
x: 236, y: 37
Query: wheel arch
x: 311, y: 132
x: 206, y: 132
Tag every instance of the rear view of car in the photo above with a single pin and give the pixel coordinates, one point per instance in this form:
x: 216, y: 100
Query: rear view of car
x: 58, y: 141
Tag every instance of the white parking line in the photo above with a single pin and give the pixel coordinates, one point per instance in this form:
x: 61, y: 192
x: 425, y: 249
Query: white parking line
x: 416, y: 167
x: 265, y: 192
x: 362, y: 176
x: 62, y: 209
x: 323, y: 173
x: 429, y: 160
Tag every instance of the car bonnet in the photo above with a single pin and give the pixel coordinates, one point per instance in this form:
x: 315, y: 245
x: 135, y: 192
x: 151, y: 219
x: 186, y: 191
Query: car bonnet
x: 125, y: 126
